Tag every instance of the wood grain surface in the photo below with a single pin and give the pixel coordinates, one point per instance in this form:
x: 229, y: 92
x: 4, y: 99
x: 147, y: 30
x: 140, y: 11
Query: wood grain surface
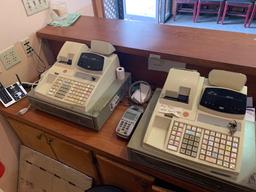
x: 218, y: 49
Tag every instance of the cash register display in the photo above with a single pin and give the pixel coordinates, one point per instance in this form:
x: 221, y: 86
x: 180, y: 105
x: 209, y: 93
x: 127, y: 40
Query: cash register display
x: 224, y: 100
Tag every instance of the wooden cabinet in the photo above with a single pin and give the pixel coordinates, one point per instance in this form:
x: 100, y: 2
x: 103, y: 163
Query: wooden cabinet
x: 126, y: 178
x: 76, y: 157
x: 71, y: 155
x: 31, y: 137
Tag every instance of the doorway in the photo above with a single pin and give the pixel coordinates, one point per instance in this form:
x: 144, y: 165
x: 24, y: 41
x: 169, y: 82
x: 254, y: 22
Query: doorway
x: 156, y: 11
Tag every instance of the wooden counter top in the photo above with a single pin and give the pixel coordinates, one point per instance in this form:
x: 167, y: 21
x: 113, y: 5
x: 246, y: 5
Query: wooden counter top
x: 201, y: 47
x: 104, y: 142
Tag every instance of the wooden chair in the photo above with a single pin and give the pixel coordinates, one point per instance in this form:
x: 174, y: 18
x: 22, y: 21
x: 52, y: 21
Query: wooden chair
x: 181, y: 6
x: 252, y: 15
x: 213, y: 7
x: 245, y: 5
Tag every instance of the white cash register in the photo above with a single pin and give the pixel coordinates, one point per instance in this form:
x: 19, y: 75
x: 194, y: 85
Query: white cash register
x: 199, y: 122
x: 81, y: 86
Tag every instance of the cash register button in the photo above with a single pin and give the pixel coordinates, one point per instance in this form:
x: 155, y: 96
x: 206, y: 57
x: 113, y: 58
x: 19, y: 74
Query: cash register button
x: 227, y: 153
x: 203, y: 151
x: 201, y: 156
x: 235, y: 139
x: 193, y: 154
x: 204, y: 146
x: 226, y: 164
x: 232, y: 160
x: 219, y: 162
x: 210, y: 159
x: 221, y: 157
x: 232, y: 166
x: 171, y: 147
x: 185, y: 114
x: 177, y: 138
x: 235, y: 145
x: 182, y: 151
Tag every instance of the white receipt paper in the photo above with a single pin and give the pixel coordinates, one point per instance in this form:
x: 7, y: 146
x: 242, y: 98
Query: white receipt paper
x: 120, y: 73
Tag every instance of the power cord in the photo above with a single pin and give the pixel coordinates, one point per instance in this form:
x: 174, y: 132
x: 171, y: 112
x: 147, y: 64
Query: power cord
x: 42, y: 64
x: 23, y: 110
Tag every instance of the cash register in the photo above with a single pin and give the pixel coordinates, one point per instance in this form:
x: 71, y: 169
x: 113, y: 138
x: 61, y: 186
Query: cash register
x: 81, y: 86
x: 197, y: 128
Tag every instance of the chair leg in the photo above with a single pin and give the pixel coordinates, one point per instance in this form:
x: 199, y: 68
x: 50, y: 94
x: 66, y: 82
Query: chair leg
x: 219, y: 12
x: 247, y: 15
x: 175, y: 12
x: 196, y: 11
x: 224, y: 13
x: 252, y: 16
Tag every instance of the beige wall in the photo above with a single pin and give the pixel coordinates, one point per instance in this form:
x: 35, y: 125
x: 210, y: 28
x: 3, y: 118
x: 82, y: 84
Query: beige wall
x: 15, y: 26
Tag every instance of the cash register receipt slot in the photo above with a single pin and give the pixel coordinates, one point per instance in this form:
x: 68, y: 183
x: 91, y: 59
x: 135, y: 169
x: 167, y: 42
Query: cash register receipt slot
x: 190, y: 135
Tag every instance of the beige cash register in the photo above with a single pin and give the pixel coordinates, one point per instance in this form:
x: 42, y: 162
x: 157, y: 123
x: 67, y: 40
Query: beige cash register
x: 199, y: 122
x: 82, y: 85
x: 79, y: 77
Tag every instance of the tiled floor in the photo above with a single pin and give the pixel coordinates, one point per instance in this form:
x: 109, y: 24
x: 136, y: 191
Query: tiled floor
x: 209, y: 22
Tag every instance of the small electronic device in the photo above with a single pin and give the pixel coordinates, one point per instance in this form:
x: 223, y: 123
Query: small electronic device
x: 11, y: 94
x: 129, y: 121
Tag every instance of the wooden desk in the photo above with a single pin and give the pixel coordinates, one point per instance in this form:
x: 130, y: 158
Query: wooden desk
x: 104, y: 145
x: 219, y: 49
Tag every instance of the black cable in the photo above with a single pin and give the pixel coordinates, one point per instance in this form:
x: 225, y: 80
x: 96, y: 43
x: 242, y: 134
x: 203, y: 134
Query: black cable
x: 40, y: 60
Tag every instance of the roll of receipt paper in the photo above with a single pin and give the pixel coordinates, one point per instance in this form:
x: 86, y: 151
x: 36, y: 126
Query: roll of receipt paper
x: 120, y: 73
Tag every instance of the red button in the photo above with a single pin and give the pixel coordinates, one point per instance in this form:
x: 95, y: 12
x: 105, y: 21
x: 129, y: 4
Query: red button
x: 1, y: 169
x: 185, y: 114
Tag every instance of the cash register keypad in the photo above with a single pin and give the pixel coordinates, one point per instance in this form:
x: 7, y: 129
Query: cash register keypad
x: 190, y: 141
x: 201, y: 143
x: 70, y: 90
x: 175, y: 136
x: 219, y: 148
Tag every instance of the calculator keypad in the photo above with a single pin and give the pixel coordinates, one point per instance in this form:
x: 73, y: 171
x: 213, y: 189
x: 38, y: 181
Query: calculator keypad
x: 220, y: 149
x: 203, y: 144
x: 190, y: 142
x: 175, y: 136
x: 70, y: 90
x: 123, y: 127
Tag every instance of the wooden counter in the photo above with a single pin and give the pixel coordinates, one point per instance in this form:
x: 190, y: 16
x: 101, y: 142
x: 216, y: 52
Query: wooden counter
x: 200, y: 47
x: 104, y: 143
